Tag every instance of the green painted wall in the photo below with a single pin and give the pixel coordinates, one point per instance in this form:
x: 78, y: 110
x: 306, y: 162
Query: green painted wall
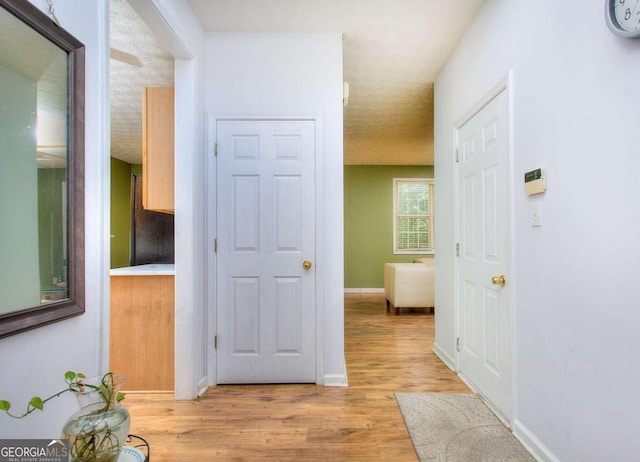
x: 368, y: 221
x: 50, y: 226
x: 368, y: 218
x: 120, y: 211
x: 19, y: 249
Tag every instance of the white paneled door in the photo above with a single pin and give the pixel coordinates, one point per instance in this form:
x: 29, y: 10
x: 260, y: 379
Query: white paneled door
x: 266, y: 251
x: 484, y: 308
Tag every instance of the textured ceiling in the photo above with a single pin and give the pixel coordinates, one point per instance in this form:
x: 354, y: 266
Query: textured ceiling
x: 138, y: 61
x: 393, y: 50
x: 38, y: 60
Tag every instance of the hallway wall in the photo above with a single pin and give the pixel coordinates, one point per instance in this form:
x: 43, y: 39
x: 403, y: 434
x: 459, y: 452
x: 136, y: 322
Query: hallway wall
x: 34, y: 362
x: 575, y: 99
x: 293, y: 75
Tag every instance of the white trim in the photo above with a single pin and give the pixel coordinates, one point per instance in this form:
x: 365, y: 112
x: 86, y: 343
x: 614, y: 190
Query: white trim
x: 189, y: 282
x: 336, y: 380
x: 359, y: 290
x: 456, y: 232
x: 504, y: 84
x: 538, y: 450
x: 320, y: 248
x: 444, y: 357
x: 266, y: 117
x: 512, y: 248
x: 489, y: 405
x: 212, y: 121
x: 105, y: 131
x: 202, y: 385
x: 211, y: 216
x: 189, y: 295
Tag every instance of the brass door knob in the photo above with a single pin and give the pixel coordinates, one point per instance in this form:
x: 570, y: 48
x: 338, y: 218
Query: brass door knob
x: 306, y: 264
x: 498, y: 280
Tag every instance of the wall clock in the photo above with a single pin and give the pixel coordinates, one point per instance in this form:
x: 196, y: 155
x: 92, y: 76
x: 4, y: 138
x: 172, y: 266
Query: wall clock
x: 623, y: 17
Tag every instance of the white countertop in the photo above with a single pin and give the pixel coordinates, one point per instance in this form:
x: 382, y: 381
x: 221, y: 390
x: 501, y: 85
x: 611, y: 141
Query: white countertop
x: 145, y: 270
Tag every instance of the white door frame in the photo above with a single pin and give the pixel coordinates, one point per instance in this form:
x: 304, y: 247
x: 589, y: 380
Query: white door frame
x: 211, y: 218
x: 166, y: 24
x: 506, y: 85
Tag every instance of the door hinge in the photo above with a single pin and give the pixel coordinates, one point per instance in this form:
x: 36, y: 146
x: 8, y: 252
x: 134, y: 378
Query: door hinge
x: 215, y: 245
x: 457, y: 155
x: 215, y: 342
x: 457, y: 249
x: 458, y: 344
x: 215, y: 149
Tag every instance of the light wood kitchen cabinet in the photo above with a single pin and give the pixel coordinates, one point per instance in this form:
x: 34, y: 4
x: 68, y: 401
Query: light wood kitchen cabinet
x: 142, y: 331
x: 158, y: 142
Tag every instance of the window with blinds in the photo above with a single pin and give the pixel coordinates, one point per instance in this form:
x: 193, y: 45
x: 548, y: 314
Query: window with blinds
x: 412, y: 215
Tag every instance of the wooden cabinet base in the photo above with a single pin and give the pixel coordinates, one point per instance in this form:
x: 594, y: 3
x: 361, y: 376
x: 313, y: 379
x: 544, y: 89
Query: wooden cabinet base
x: 142, y: 331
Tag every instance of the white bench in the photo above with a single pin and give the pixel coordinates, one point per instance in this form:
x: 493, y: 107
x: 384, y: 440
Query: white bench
x: 409, y: 285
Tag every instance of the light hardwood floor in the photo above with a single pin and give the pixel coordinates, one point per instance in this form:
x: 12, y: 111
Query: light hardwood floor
x: 384, y: 353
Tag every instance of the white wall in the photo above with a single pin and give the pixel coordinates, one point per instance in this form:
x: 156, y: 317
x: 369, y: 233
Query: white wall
x: 178, y: 29
x: 294, y: 74
x: 575, y: 104
x: 34, y: 362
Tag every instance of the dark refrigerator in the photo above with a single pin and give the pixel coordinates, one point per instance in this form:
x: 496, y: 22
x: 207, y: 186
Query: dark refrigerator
x: 152, y: 233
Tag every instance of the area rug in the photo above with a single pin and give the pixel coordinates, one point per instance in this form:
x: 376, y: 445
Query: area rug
x: 457, y: 428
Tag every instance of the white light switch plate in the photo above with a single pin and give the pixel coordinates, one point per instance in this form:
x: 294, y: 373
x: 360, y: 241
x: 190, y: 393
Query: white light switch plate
x: 536, y: 216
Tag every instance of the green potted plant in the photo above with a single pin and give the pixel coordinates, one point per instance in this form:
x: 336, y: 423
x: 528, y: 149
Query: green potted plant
x: 98, y: 430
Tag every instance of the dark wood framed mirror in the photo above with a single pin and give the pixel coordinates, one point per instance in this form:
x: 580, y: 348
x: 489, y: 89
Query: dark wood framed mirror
x: 42, y: 270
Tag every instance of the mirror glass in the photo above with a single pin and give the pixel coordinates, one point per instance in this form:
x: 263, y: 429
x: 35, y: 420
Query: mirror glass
x: 39, y: 161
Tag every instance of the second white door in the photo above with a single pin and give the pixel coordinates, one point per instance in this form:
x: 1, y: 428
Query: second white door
x: 266, y: 251
x: 484, y: 320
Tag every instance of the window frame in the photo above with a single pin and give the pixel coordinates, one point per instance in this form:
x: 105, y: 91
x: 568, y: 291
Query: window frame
x: 430, y: 220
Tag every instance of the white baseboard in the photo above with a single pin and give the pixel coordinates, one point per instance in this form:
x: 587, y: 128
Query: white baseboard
x: 364, y: 291
x: 538, y: 450
x: 202, y: 385
x: 448, y: 360
x: 336, y: 380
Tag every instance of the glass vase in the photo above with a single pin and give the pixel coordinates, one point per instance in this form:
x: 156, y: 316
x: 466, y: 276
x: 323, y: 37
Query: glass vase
x: 99, y: 429
x: 96, y: 434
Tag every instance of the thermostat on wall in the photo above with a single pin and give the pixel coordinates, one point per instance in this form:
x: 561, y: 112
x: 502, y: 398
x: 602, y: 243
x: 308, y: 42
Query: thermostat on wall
x: 535, y: 182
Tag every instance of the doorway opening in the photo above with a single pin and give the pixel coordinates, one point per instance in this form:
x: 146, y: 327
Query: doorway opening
x: 142, y: 289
